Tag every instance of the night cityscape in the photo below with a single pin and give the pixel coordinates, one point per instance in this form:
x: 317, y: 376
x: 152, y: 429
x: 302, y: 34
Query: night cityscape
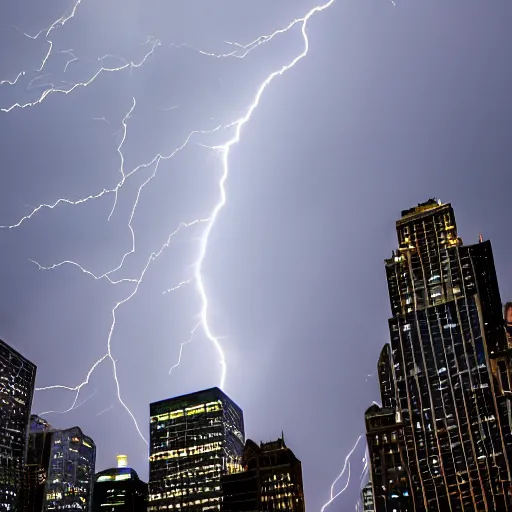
x: 441, y: 439
x: 255, y: 256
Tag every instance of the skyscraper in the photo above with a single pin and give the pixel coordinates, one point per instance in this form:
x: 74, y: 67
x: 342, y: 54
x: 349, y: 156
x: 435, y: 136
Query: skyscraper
x: 67, y: 458
x: 270, y: 478
x: 193, y: 438
x: 119, y: 490
x: 17, y: 380
x: 446, y: 325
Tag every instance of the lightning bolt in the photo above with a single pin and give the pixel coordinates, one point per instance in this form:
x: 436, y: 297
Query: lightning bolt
x: 72, y: 408
x: 13, y: 82
x: 346, y: 466
x: 239, y: 51
x: 192, y: 332
x: 105, y: 410
x: 56, y: 90
x: 223, y: 150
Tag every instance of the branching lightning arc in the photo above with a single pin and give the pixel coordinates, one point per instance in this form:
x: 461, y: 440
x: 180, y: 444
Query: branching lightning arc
x: 238, y: 51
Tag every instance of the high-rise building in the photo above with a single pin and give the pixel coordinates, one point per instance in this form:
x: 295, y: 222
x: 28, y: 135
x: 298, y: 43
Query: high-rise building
x: 64, y: 459
x: 17, y: 380
x: 269, y: 479
x: 446, y: 326
x: 119, y: 489
x: 193, y: 438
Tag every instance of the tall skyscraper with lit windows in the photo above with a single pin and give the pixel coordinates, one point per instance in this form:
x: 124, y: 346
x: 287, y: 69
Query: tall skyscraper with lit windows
x: 17, y: 381
x: 437, y: 443
x: 193, y: 439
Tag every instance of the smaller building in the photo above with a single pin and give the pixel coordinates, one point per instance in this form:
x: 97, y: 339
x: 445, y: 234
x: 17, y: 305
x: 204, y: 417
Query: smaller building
x: 35, y: 475
x: 192, y: 439
x: 268, y: 477
x: 367, y: 498
x: 119, y: 489
x: 385, y: 438
x: 60, y: 469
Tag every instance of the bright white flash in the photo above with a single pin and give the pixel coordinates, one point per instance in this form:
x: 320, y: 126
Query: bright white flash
x: 238, y: 51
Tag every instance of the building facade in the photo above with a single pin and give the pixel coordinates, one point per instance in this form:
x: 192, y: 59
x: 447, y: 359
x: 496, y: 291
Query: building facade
x: 446, y: 327
x: 269, y: 479
x: 386, y: 446
x: 367, y: 498
x: 193, y: 438
x: 64, y: 460
x: 501, y: 365
x: 39, y: 451
x: 17, y: 381
x: 385, y: 438
x: 71, y: 473
x: 119, y: 490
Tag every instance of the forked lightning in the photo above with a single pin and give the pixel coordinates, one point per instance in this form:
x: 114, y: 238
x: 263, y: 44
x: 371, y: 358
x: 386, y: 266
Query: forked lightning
x: 239, y: 51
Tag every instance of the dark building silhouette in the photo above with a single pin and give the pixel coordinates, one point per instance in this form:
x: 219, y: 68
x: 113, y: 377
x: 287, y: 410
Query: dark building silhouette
x: 119, y: 490
x: 269, y: 478
x: 501, y: 365
x: 60, y: 469
x: 367, y: 498
x: 17, y: 380
x: 386, y: 444
x: 385, y: 438
x: 193, y: 438
x: 39, y: 451
x: 440, y: 420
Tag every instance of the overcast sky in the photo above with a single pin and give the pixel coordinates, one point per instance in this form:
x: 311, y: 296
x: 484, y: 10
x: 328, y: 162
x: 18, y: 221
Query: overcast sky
x: 391, y: 106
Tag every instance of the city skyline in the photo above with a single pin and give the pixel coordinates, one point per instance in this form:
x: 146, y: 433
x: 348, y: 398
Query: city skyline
x: 392, y: 105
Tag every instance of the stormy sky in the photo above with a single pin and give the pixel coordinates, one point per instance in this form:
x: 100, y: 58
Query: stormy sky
x: 392, y: 105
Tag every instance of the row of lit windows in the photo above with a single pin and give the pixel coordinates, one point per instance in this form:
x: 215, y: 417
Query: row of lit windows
x: 183, y: 492
x: 195, y: 472
x: 192, y: 450
x: 177, y: 506
x: 189, y: 411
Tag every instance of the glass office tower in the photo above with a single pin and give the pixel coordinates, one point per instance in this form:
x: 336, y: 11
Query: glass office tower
x: 17, y: 380
x: 446, y: 326
x: 71, y: 473
x: 66, y: 459
x: 193, y: 438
